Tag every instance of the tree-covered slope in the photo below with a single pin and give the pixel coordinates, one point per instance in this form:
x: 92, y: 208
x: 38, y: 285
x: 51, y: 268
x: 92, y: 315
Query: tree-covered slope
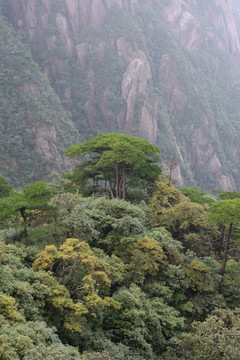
x: 164, y: 70
x: 117, y: 280
x: 34, y: 127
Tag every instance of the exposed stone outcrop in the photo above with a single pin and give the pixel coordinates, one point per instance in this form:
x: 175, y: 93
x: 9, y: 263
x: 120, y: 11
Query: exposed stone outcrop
x: 82, y: 50
x: 186, y: 28
x: 44, y: 138
x: 236, y: 14
x: 134, y: 84
x: 91, y: 111
x: 148, y: 120
x: 174, y: 94
x: 78, y: 28
x: 225, y: 23
x: 30, y: 88
x: 104, y: 111
x: 226, y: 182
x: 176, y: 173
x: 204, y: 155
x: 74, y: 11
x: 45, y: 143
x: 182, y: 24
x: 62, y: 27
x: 98, y: 14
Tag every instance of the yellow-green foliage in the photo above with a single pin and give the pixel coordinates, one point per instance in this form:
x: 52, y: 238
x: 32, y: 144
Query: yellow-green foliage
x: 73, y: 312
x: 34, y: 291
x: 46, y: 258
x: 165, y: 196
x: 82, y: 272
x: 8, y: 310
x: 151, y: 254
x: 184, y: 217
x: 187, y: 221
x: 24, y: 294
x: 8, y: 351
x: 200, y: 276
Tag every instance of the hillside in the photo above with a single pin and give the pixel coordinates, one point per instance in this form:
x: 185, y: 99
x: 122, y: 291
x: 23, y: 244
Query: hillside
x: 167, y: 71
x: 94, y: 278
x: 33, y: 122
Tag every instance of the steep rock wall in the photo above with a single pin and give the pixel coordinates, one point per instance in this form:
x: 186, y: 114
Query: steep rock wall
x: 33, y: 122
x: 35, y: 16
x: 144, y: 68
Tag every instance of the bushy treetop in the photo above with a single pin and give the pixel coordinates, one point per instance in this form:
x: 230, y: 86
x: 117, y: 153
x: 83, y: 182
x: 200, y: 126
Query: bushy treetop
x: 115, y: 158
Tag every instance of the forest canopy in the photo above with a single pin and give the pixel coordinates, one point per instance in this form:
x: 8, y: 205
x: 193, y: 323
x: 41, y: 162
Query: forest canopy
x: 115, y: 159
x: 101, y: 277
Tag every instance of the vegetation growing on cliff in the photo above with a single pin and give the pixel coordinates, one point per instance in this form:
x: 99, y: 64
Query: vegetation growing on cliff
x: 32, y: 121
x: 132, y: 69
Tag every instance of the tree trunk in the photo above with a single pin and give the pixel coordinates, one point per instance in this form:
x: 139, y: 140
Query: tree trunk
x: 111, y: 189
x: 120, y: 188
x: 24, y: 216
x: 117, y: 180
x: 225, y: 256
x: 123, y: 183
x: 221, y: 240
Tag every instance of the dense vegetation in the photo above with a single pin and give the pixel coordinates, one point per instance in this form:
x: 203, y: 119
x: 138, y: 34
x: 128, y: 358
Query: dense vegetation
x: 115, y: 158
x: 30, y: 112
x: 90, y: 277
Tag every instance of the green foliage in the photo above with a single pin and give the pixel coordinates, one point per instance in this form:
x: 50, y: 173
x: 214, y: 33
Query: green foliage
x: 123, y: 24
x: 196, y: 195
x: 231, y: 284
x: 114, y: 352
x: 200, y: 276
x: 228, y: 195
x: 187, y: 221
x: 215, y: 338
x: 117, y: 288
x: 23, y: 297
x: 29, y: 109
x: 20, y: 209
x: 142, y: 323
x: 5, y: 187
x: 113, y: 157
x: 145, y: 257
x: 226, y: 211
x: 208, y: 78
x: 33, y: 340
x: 165, y: 195
x: 82, y: 272
x: 122, y: 290
x: 99, y: 221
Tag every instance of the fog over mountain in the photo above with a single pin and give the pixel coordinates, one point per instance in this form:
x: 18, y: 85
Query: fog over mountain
x: 164, y: 70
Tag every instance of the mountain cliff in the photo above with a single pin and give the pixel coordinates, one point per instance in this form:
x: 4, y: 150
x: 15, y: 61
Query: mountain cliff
x: 167, y: 71
x: 32, y: 120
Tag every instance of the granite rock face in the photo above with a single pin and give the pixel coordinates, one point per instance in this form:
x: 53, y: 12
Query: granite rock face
x: 137, y: 69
